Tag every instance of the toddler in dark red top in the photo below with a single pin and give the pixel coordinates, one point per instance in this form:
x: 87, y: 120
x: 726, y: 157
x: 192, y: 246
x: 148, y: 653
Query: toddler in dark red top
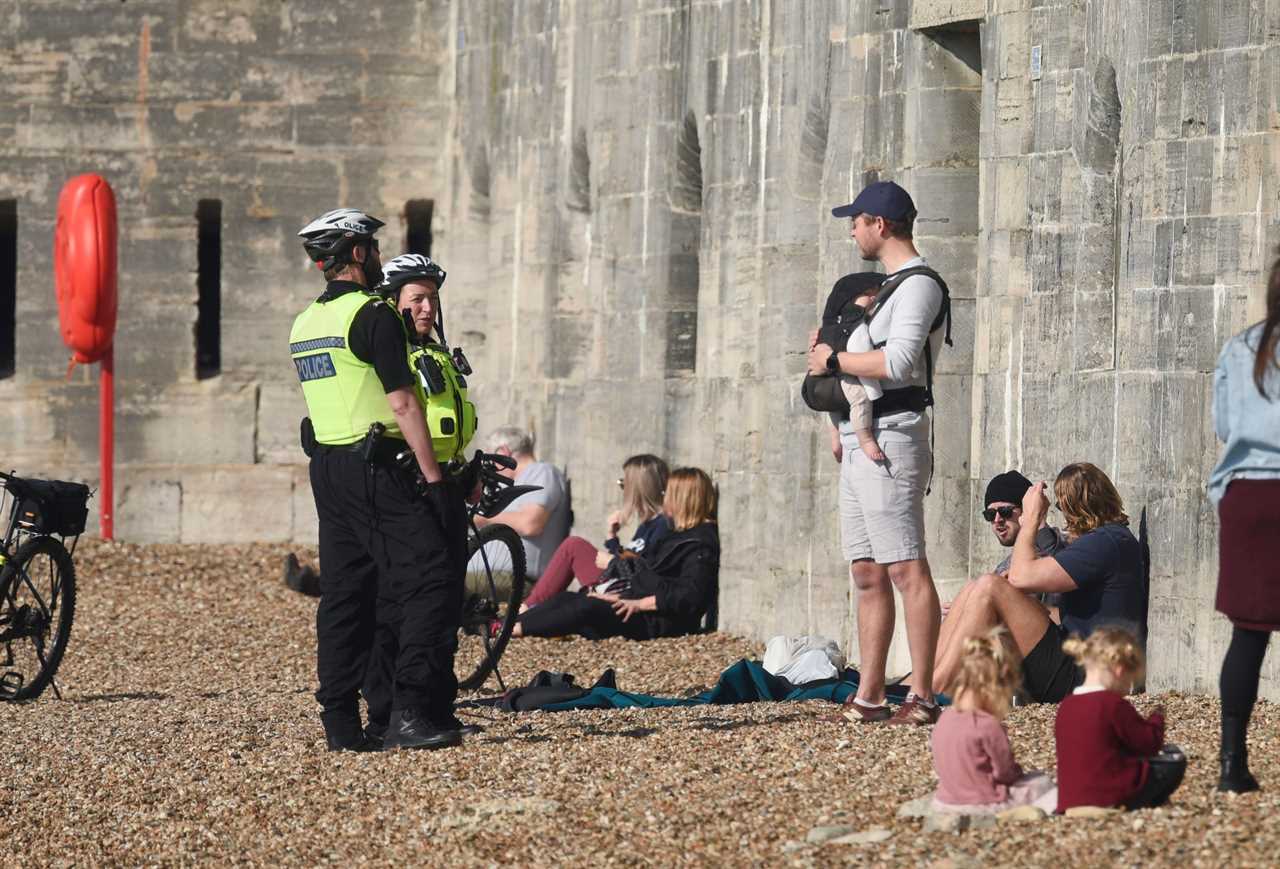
x: 1108, y: 754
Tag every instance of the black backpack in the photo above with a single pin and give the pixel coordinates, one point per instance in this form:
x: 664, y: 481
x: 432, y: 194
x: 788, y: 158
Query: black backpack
x: 822, y: 392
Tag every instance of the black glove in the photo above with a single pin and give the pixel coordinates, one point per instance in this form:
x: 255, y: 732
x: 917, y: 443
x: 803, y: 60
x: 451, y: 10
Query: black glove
x: 467, y: 477
x: 440, y: 496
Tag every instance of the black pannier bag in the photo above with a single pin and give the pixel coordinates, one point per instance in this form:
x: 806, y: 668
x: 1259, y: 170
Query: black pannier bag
x: 53, y: 507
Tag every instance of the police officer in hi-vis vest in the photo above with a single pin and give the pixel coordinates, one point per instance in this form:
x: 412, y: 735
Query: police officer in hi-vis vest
x: 381, y: 533
x: 411, y: 284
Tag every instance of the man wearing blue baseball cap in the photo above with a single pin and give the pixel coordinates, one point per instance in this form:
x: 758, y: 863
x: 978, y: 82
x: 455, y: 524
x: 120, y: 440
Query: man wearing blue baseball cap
x: 892, y: 353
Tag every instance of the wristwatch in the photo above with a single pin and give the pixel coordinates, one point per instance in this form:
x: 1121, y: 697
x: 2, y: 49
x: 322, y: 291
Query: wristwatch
x: 833, y: 363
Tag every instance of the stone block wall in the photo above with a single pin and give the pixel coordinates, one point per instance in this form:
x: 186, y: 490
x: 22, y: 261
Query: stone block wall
x: 632, y: 201
x: 278, y: 110
x: 1095, y: 195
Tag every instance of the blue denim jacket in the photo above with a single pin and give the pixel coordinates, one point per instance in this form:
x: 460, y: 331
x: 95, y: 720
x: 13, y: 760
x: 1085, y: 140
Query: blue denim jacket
x: 1246, y: 422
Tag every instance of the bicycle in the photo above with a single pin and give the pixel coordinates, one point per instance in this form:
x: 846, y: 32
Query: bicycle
x: 37, y: 582
x: 495, y: 592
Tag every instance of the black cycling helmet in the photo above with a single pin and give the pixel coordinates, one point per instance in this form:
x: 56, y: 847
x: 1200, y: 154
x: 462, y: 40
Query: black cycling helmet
x: 407, y: 267
x: 329, y: 238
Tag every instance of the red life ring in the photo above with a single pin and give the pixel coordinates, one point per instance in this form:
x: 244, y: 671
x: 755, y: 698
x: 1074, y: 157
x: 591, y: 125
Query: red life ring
x: 84, y: 266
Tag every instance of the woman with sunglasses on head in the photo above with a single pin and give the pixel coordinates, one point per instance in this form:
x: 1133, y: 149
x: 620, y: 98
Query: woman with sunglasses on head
x: 644, y: 478
x: 668, y: 596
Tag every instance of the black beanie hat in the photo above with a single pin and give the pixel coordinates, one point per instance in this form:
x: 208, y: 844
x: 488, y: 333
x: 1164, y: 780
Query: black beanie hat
x: 1009, y: 486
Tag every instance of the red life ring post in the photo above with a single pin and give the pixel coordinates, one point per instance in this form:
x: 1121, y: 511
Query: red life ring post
x: 85, y: 277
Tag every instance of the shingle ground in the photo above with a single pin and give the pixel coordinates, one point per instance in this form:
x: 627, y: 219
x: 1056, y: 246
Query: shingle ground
x: 189, y: 735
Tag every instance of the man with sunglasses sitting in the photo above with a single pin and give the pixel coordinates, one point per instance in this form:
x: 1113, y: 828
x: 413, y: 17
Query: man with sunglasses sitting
x: 1099, y: 577
x: 1004, y: 513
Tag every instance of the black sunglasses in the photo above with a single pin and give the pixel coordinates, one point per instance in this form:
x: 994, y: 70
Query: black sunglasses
x: 990, y: 513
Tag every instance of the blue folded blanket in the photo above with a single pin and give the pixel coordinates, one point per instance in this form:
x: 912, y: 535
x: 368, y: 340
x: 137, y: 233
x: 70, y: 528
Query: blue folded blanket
x: 744, y: 682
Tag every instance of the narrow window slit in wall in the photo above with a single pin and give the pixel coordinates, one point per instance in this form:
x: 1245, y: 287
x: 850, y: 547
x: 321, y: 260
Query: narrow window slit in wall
x: 417, y: 226
x: 686, y: 242
x: 209, y: 288
x: 8, y: 286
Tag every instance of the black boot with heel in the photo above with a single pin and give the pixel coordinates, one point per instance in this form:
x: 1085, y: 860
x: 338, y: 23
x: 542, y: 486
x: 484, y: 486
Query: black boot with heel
x: 1235, y: 777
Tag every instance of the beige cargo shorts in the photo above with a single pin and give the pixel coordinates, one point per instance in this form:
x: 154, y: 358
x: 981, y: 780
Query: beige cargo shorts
x: 882, y: 503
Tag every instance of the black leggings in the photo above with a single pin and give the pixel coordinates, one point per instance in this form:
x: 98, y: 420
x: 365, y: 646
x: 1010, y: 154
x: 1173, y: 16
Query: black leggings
x: 1241, y: 667
x: 573, y: 613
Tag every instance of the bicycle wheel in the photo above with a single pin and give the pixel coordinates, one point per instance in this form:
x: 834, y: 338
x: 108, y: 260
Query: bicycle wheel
x: 495, y: 587
x: 39, y: 587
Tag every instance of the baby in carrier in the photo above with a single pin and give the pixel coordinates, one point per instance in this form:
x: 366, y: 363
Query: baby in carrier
x: 850, y: 299
x: 859, y: 402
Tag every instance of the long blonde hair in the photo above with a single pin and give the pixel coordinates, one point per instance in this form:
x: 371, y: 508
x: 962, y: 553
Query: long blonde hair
x: 691, y: 498
x: 990, y: 672
x: 1087, y: 498
x: 644, y: 479
x: 1108, y: 648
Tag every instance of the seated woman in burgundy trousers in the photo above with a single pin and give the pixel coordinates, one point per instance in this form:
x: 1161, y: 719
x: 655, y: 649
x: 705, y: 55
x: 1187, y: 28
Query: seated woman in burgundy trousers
x: 644, y: 478
x: 670, y: 592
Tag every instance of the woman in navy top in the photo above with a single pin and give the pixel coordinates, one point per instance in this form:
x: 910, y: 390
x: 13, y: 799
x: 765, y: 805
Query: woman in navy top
x: 1245, y: 486
x: 643, y: 481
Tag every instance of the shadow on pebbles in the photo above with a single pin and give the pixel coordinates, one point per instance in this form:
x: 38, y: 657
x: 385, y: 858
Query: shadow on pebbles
x: 188, y: 733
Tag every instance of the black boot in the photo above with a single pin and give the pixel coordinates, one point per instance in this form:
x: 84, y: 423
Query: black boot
x: 454, y: 723
x: 1235, y: 777
x: 408, y: 729
x: 361, y: 743
x: 342, y: 732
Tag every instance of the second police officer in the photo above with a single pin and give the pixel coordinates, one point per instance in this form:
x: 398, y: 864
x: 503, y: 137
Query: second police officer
x: 382, y: 533
x: 411, y: 284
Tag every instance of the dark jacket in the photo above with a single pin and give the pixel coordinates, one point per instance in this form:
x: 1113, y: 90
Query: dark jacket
x: 683, y: 573
x: 647, y: 535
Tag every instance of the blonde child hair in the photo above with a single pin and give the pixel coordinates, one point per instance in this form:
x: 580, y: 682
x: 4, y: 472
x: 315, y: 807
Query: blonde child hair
x: 1108, y: 648
x: 990, y: 672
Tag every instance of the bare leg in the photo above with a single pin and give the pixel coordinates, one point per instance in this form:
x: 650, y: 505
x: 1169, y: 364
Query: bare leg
x: 920, y: 600
x: 867, y: 441
x: 1026, y: 618
x: 991, y: 601
x: 949, y: 640
x: 971, y: 614
x: 875, y: 626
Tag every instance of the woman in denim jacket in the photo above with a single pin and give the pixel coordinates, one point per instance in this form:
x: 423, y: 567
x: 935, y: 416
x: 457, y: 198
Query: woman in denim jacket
x: 1245, y: 486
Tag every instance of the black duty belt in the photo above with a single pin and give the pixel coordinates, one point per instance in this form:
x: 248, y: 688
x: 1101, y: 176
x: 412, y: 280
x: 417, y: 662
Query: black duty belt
x: 909, y: 398
x: 384, y: 451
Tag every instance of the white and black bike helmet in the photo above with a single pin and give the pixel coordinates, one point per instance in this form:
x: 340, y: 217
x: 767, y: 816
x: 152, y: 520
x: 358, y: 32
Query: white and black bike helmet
x: 329, y: 238
x: 407, y: 267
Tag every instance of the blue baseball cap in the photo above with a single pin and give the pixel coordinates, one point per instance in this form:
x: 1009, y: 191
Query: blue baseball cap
x: 881, y: 199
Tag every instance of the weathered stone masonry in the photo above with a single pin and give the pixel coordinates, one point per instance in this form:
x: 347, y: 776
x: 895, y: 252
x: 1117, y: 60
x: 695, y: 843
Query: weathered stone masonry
x: 632, y: 201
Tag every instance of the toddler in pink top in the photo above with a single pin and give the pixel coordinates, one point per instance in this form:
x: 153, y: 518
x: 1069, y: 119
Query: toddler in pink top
x: 977, y: 773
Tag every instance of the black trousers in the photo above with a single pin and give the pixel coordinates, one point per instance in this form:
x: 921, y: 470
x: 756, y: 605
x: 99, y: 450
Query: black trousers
x: 391, y: 584
x: 572, y: 613
x: 1163, y: 778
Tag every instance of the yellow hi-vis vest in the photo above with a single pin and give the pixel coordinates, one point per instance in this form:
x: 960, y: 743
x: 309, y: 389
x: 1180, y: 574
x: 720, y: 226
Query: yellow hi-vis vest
x: 451, y: 419
x: 344, y: 395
